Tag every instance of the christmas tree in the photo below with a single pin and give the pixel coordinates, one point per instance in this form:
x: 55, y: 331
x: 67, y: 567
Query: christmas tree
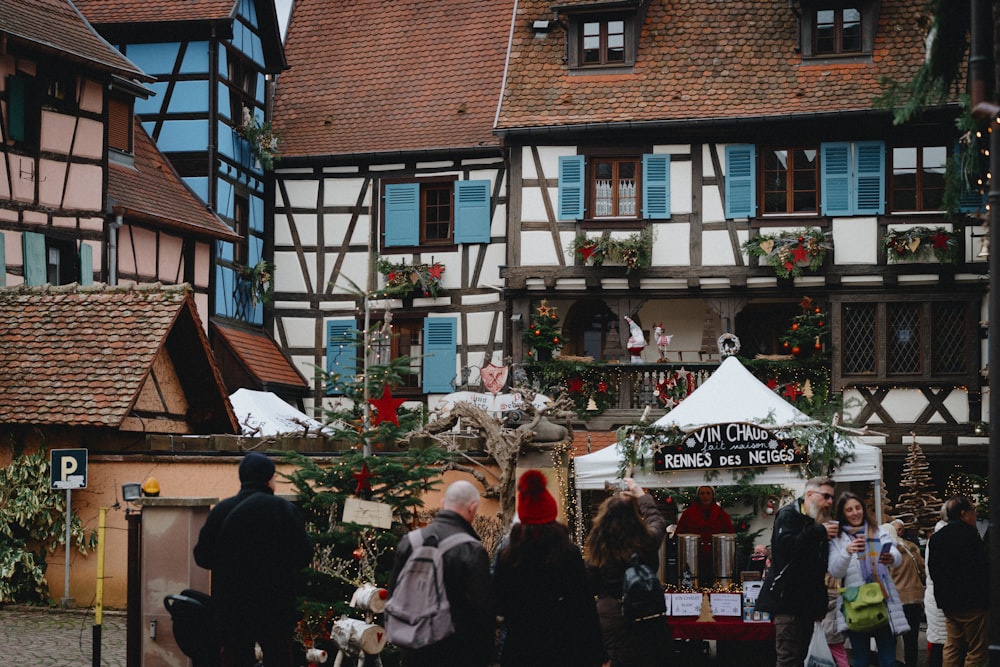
x: 809, y: 331
x: 920, y: 500
x: 352, y: 550
x: 542, y: 335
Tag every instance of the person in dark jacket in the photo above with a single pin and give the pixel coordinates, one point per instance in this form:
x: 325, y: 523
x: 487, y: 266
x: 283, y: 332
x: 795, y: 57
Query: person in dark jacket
x: 958, y: 563
x: 626, y: 523
x: 794, y: 589
x: 541, y: 588
x: 255, y: 544
x: 467, y: 582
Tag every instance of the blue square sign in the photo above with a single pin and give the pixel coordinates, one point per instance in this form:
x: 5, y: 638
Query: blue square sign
x: 68, y: 468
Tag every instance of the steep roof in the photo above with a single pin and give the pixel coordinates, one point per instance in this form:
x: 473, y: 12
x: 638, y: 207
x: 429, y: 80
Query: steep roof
x: 260, y: 357
x: 150, y: 190
x: 56, y: 27
x: 704, y: 59
x: 371, y: 76
x: 166, y: 20
x: 78, y: 356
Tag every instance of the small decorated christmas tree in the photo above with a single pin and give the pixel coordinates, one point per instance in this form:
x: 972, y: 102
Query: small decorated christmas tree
x: 920, y: 500
x: 543, y: 335
x: 809, y: 331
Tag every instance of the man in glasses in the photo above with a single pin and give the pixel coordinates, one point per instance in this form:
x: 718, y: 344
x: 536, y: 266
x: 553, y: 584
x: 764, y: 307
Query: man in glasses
x: 959, y: 567
x: 794, y: 589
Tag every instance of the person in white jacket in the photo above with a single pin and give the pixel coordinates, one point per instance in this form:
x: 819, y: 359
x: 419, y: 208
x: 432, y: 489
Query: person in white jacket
x: 856, y: 557
x: 936, y: 632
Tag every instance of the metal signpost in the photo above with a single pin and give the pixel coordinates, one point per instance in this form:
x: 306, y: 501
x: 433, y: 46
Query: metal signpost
x: 69, y: 471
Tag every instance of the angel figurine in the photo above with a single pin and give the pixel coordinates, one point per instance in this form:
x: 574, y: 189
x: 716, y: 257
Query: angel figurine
x: 636, y: 342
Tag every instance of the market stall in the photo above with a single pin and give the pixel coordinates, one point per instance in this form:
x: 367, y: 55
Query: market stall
x: 731, y: 418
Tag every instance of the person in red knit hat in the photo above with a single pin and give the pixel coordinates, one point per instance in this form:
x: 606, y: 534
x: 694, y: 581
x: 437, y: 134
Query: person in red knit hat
x: 706, y: 518
x: 541, y: 588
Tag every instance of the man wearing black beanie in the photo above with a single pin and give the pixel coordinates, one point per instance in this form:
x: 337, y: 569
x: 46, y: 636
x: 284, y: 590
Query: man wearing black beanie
x: 255, y: 544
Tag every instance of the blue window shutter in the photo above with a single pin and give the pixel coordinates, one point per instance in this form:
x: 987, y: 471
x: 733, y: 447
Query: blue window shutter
x: 971, y: 200
x: 472, y: 211
x: 656, y: 187
x: 869, y: 177
x: 16, y: 107
x: 571, y: 187
x: 439, y: 354
x: 3, y: 264
x: 835, y: 175
x: 341, y: 350
x: 35, y: 264
x: 402, y: 214
x: 741, y: 181
x: 86, y: 264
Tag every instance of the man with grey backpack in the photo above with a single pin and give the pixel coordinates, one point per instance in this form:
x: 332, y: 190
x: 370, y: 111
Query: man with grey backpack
x: 454, y: 627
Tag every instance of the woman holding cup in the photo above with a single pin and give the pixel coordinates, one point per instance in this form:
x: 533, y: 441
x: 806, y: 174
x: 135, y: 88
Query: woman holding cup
x: 862, y: 553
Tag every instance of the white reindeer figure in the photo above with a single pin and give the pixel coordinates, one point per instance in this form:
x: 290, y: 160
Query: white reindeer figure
x: 662, y: 341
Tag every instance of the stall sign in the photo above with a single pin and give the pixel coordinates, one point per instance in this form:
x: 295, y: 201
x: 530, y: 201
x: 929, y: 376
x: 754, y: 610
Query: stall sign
x: 732, y: 445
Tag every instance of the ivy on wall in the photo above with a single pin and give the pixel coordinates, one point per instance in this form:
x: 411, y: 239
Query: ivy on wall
x: 32, y: 525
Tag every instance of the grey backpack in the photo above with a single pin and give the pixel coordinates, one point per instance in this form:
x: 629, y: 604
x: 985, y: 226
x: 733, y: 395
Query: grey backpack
x: 418, y: 613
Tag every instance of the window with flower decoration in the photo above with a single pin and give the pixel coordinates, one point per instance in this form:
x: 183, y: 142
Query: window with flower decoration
x: 905, y: 340
x: 438, y: 212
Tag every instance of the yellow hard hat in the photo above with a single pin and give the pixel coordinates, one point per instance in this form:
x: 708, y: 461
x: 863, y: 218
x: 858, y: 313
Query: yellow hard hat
x: 151, y: 487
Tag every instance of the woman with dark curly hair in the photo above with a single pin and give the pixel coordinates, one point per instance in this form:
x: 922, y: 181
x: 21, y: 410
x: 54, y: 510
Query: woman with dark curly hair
x: 626, y: 523
x: 541, y: 587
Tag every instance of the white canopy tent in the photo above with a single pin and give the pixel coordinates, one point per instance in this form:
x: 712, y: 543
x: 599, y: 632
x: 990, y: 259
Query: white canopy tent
x: 731, y: 394
x: 263, y: 414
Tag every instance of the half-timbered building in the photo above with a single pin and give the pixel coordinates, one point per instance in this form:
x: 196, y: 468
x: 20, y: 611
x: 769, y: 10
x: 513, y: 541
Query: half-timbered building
x: 695, y: 127
x: 392, y: 180
x: 211, y: 64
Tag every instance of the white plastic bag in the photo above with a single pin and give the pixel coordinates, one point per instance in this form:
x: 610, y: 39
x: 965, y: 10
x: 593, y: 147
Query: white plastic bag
x: 819, y: 651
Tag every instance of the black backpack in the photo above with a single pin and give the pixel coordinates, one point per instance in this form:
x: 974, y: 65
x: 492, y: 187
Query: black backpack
x: 642, y: 593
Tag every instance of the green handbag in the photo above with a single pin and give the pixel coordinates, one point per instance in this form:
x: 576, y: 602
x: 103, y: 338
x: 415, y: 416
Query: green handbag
x: 864, y: 607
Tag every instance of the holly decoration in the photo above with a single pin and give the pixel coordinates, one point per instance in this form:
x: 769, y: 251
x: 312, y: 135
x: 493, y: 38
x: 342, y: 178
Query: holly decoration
x: 543, y: 331
x: 809, y: 331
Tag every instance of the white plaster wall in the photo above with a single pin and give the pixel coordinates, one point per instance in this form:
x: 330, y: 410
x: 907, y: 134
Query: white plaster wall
x: 342, y: 192
x: 672, y: 244
x: 855, y: 240
x: 533, y: 206
x: 288, y: 275
x: 335, y: 226
x: 684, y: 319
x: 717, y: 249
x: 300, y: 194
x: 905, y: 405
x: 305, y: 227
x: 537, y: 248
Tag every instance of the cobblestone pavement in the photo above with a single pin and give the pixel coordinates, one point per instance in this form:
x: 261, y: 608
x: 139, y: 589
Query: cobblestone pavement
x: 34, y: 637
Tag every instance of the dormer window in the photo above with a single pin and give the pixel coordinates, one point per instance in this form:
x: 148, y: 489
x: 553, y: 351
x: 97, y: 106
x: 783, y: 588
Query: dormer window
x: 838, y: 29
x: 602, y: 35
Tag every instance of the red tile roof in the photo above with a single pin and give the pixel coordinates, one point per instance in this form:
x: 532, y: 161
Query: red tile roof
x: 79, y: 355
x: 55, y: 26
x: 701, y: 59
x: 152, y: 191
x: 595, y: 440
x: 261, y: 356
x: 154, y: 11
x: 374, y: 76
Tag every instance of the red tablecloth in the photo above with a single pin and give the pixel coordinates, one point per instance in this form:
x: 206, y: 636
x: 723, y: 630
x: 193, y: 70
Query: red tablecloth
x: 726, y: 628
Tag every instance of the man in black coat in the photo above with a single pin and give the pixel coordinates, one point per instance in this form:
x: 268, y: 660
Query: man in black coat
x: 255, y: 544
x: 794, y: 589
x: 958, y: 563
x: 467, y: 581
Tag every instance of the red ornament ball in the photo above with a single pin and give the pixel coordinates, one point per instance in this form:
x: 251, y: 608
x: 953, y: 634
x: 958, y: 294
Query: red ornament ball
x: 796, y: 349
x: 786, y: 345
x: 818, y: 346
x: 795, y: 327
x: 358, y: 553
x: 820, y: 323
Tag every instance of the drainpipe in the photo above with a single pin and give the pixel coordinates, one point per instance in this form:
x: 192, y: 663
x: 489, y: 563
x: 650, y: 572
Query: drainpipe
x: 113, y: 246
x: 982, y: 76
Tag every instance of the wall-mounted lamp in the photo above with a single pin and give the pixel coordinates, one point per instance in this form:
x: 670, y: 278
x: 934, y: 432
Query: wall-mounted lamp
x: 984, y: 248
x: 516, y: 318
x: 542, y: 26
x: 131, y: 492
x: 981, y: 429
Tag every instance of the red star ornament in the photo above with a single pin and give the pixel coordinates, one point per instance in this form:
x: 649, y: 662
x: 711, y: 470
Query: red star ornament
x: 435, y: 271
x: 575, y: 385
x: 602, y: 387
x: 940, y: 240
x: 772, y: 384
x: 792, y: 391
x: 800, y: 254
x: 586, y: 251
x: 386, y: 407
x: 364, y: 486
